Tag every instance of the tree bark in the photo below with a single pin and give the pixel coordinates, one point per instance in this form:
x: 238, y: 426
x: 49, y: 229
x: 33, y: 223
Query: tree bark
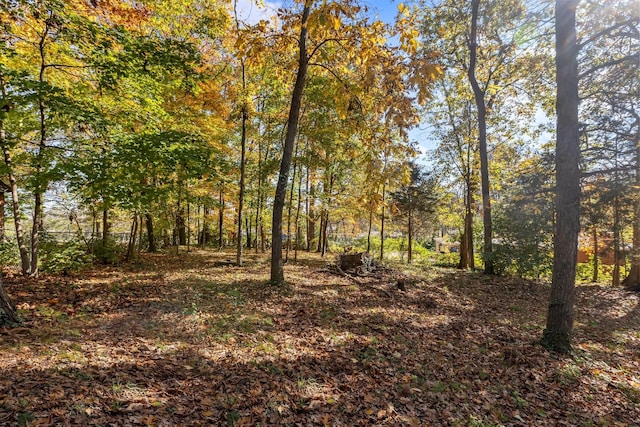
x: 290, y: 207
x: 384, y: 188
x: 221, y: 221
x: 369, y: 230
x: 410, y: 232
x: 105, y: 225
x: 632, y: 281
x: 615, y: 275
x: 559, y: 329
x: 10, y: 317
x: 132, y: 238
x: 479, y: 95
x: 15, y: 204
x: 153, y: 247
x: 277, y: 268
x: 466, y: 242
x: 2, y: 204
x: 243, y: 149
x: 298, y: 209
x: 596, y: 249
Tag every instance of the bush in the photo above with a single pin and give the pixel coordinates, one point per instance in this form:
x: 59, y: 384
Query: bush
x: 450, y: 260
x: 109, y: 252
x: 528, y: 261
x: 64, y: 257
x: 9, y: 254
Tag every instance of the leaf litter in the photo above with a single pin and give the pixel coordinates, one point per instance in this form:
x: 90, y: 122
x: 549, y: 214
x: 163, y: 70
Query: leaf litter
x: 191, y: 340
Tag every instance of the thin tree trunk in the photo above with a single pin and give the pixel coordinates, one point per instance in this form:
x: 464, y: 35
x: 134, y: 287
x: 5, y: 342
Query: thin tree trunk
x: 384, y: 188
x: 153, y: 247
x: 466, y: 244
x: 105, y: 224
x: 559, y: 329
x: 410, y: 232
x: 325, y: 236
x: 479, y: 95
x: 298, y: 208
x: 596, y: 249
x: 132, y: 238
x: 290, y: 207
x: 369, y: 229
x: 221, y: 221
x: 188, y: 227
x: 139, y: 236
x: 632, y: 281
x: 277, y: 269
x: 615, y: 276
x: 2, y: 205
x: 243, y: 148
x: 15, y: 204
x: 311, y: 215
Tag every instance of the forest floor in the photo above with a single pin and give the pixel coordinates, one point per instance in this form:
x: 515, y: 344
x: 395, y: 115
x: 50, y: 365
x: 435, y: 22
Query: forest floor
x: 188, y: 340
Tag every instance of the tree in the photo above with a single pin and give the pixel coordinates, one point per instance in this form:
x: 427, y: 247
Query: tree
x: 559, y: 328
x: 479, y: 96
x: 416, y: 202
x: 488, y: 44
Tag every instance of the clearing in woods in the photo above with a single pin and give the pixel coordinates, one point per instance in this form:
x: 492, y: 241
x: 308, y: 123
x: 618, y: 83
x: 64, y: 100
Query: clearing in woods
x: 189, y: 340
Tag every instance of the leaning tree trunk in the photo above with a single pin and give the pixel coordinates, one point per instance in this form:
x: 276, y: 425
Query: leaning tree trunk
x: 479, y: 94
x: 277, y: 268
x: 557, y: 335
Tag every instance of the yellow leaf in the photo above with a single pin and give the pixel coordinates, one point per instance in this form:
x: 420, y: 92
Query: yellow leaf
x: 369, y: 411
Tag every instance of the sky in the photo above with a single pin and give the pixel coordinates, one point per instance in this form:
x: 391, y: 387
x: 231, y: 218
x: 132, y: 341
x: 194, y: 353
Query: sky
x: 386, y: 10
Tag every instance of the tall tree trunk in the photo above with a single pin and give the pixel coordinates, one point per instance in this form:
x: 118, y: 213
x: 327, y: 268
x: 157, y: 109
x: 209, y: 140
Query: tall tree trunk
x: 325, y: 233
x: 384, y: 188
x: 615, y: 276
x: 277, y: 269
x: 320, y: 236
x: 181, y: 224
x: 632, y: 281
x: 243, y: 149
x: 15, y: 204
x: 410, y: 233
x: 153, y: 247
x: 105, y: 224
x: 221, y: 221
x: 311, y: 215
x: 247, y: 229
x: 188, y: 225
x: 290, y: 207
x: 2, y: 204
x: 479, y: 94
x: 298, y: 208
x: 132, y: 238
x: 596, y: 249
x: 559, y: 329
x: 369, y: 230
x: 466, y: 242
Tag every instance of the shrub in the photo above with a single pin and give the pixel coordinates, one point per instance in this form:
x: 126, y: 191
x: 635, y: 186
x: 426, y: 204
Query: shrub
x: 9, y: 253
x: 64, y: 257
x: 109, y: 252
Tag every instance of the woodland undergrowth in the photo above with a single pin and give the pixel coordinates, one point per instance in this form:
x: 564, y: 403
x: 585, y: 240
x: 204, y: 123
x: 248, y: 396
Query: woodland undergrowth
x: 189, y: 339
